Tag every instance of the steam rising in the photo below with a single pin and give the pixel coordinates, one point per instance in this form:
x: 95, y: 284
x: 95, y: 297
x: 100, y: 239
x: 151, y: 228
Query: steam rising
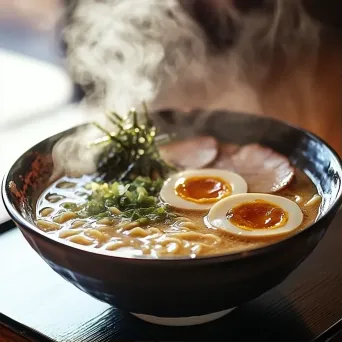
x: 123, y: 52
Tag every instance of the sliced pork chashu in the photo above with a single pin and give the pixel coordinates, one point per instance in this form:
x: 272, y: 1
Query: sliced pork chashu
x: 263, y: 169
x: 192, y: 153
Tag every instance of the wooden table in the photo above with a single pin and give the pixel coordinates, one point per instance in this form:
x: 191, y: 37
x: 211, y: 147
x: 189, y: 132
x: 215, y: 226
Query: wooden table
x: 7, y: 335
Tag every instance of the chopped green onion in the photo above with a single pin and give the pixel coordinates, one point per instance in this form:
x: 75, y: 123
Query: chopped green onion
x: 137, y: 201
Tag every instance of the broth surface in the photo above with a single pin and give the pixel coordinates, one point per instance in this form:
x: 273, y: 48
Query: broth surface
x: 187, y: 236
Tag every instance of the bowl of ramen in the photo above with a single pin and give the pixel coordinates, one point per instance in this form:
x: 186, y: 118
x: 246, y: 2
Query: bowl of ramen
x: 186, y: 216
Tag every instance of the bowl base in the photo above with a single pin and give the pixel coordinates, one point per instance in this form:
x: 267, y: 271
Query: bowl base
x: 183, y: 321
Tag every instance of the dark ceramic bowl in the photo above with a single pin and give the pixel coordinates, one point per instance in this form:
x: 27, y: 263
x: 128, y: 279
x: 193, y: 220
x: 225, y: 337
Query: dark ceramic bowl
x: 182, y: 287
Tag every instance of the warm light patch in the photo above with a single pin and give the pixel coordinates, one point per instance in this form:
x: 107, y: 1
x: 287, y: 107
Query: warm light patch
x: 202, y: 189
x: 258, y: 214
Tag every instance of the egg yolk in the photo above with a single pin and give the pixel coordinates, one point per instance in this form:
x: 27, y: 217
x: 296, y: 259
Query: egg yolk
x: 203, y: 189
x: 257, y: 215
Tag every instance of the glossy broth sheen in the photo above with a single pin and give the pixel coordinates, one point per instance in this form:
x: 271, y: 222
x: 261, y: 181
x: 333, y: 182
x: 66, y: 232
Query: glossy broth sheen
x: 187, y: 236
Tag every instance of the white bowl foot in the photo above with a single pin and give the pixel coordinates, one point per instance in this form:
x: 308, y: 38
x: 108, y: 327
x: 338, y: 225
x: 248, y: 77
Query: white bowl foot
x: 183, y: 321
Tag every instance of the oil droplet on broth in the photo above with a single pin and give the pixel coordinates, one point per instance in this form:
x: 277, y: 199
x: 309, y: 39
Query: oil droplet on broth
x: 54, y: 198
x: 66, y: 185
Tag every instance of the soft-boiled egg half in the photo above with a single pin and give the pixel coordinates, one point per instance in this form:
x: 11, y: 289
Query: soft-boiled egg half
x: 201, y: 189
x: 255, y: 215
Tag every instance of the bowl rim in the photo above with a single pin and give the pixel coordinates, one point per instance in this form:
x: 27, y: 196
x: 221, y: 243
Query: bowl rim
x: 183, y: 260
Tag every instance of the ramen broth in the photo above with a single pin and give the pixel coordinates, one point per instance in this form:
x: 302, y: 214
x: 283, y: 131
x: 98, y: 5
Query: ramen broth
x: 186, y: 235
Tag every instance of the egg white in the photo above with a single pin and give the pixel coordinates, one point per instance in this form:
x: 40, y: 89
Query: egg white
x: 217, y: 216
x: 168, y: 194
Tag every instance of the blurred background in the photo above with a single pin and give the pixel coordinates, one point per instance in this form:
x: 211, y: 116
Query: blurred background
x: 38, y: 99
x: 36, y: 93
